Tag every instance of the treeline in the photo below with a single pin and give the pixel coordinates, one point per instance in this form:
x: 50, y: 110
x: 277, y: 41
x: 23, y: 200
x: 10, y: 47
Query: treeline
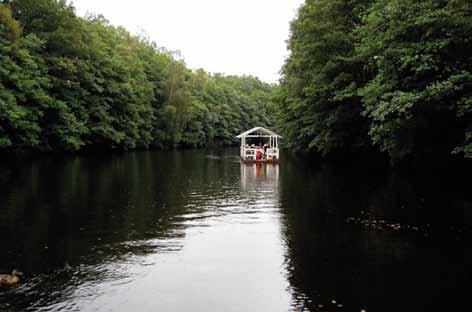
x: 69, y: 83
x: 379, y: 75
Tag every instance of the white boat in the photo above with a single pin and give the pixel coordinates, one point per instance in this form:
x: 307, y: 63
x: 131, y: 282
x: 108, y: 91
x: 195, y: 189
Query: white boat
x: 259, y: 145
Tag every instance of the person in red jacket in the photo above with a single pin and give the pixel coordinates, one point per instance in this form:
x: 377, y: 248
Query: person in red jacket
x: 258, y: 155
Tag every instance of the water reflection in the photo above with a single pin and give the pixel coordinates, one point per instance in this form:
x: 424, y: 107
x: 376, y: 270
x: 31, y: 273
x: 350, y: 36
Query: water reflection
x: 199, y: 231
x: 146, y: 231
x: 380, y: 242
x: 259, y: 173
x: 72, y: 222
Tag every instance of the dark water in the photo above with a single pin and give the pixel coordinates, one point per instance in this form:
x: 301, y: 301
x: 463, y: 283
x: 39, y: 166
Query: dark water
x: 198, y: 231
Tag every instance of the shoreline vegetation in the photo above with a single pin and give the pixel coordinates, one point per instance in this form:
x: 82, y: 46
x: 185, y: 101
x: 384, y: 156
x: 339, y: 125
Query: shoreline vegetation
x: 389, y: 76
x: 75, y: 84
x: 391, y: 80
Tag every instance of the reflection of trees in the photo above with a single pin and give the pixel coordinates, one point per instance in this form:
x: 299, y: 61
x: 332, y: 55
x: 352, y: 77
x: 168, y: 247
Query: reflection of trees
x: 254, y: 174
x: 62, y: 208
x: 360, y: 264
x: 62, y: 218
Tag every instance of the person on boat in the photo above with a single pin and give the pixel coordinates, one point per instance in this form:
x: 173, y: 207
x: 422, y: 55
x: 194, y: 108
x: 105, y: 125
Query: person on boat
x: 264, y: 151
x: 258, y: 155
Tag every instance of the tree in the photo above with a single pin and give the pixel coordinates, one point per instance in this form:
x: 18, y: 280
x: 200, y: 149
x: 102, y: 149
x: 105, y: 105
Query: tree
x: 23, y: 85
x: 320, y: 108
x: 393, y: 75
x: 419, y: 100
x: 69, y: 83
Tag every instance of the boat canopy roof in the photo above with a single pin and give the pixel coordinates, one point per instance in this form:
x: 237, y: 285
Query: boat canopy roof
x: 258, y: 131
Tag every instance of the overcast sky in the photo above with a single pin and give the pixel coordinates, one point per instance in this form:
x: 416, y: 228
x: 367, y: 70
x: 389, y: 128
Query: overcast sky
x: 225, y: 36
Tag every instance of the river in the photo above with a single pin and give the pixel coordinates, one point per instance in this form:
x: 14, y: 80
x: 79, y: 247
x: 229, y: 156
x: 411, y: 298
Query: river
x: 199, y: 231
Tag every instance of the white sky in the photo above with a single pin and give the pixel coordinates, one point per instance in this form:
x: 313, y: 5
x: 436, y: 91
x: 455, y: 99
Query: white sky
x: 226, y: 36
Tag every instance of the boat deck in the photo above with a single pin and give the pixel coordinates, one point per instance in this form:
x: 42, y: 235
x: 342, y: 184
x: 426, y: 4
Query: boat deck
x: 253, y: 161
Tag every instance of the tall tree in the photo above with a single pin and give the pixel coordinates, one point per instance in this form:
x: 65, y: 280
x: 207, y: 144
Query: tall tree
x: 393, y: 75
x: 420, y: 99
x: 23, y: 85
x: 174, y: 114
x: 320, y: 107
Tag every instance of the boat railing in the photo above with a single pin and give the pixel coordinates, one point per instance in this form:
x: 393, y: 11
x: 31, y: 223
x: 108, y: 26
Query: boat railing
x: 250, y: 152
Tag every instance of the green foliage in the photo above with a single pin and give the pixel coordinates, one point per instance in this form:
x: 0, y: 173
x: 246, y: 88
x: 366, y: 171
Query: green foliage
x: 175, y: 112
x: 395, y: 75
x: 23, y: 85
x: 68, y: 83
x: 225, y: 106
x: 321, y: 109
x: 11, y: 29
x: 417, y: 99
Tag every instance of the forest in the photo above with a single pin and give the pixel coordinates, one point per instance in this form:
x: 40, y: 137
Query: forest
x: 69, y: 83
x: 391, y: 77
x: 379, y: 76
